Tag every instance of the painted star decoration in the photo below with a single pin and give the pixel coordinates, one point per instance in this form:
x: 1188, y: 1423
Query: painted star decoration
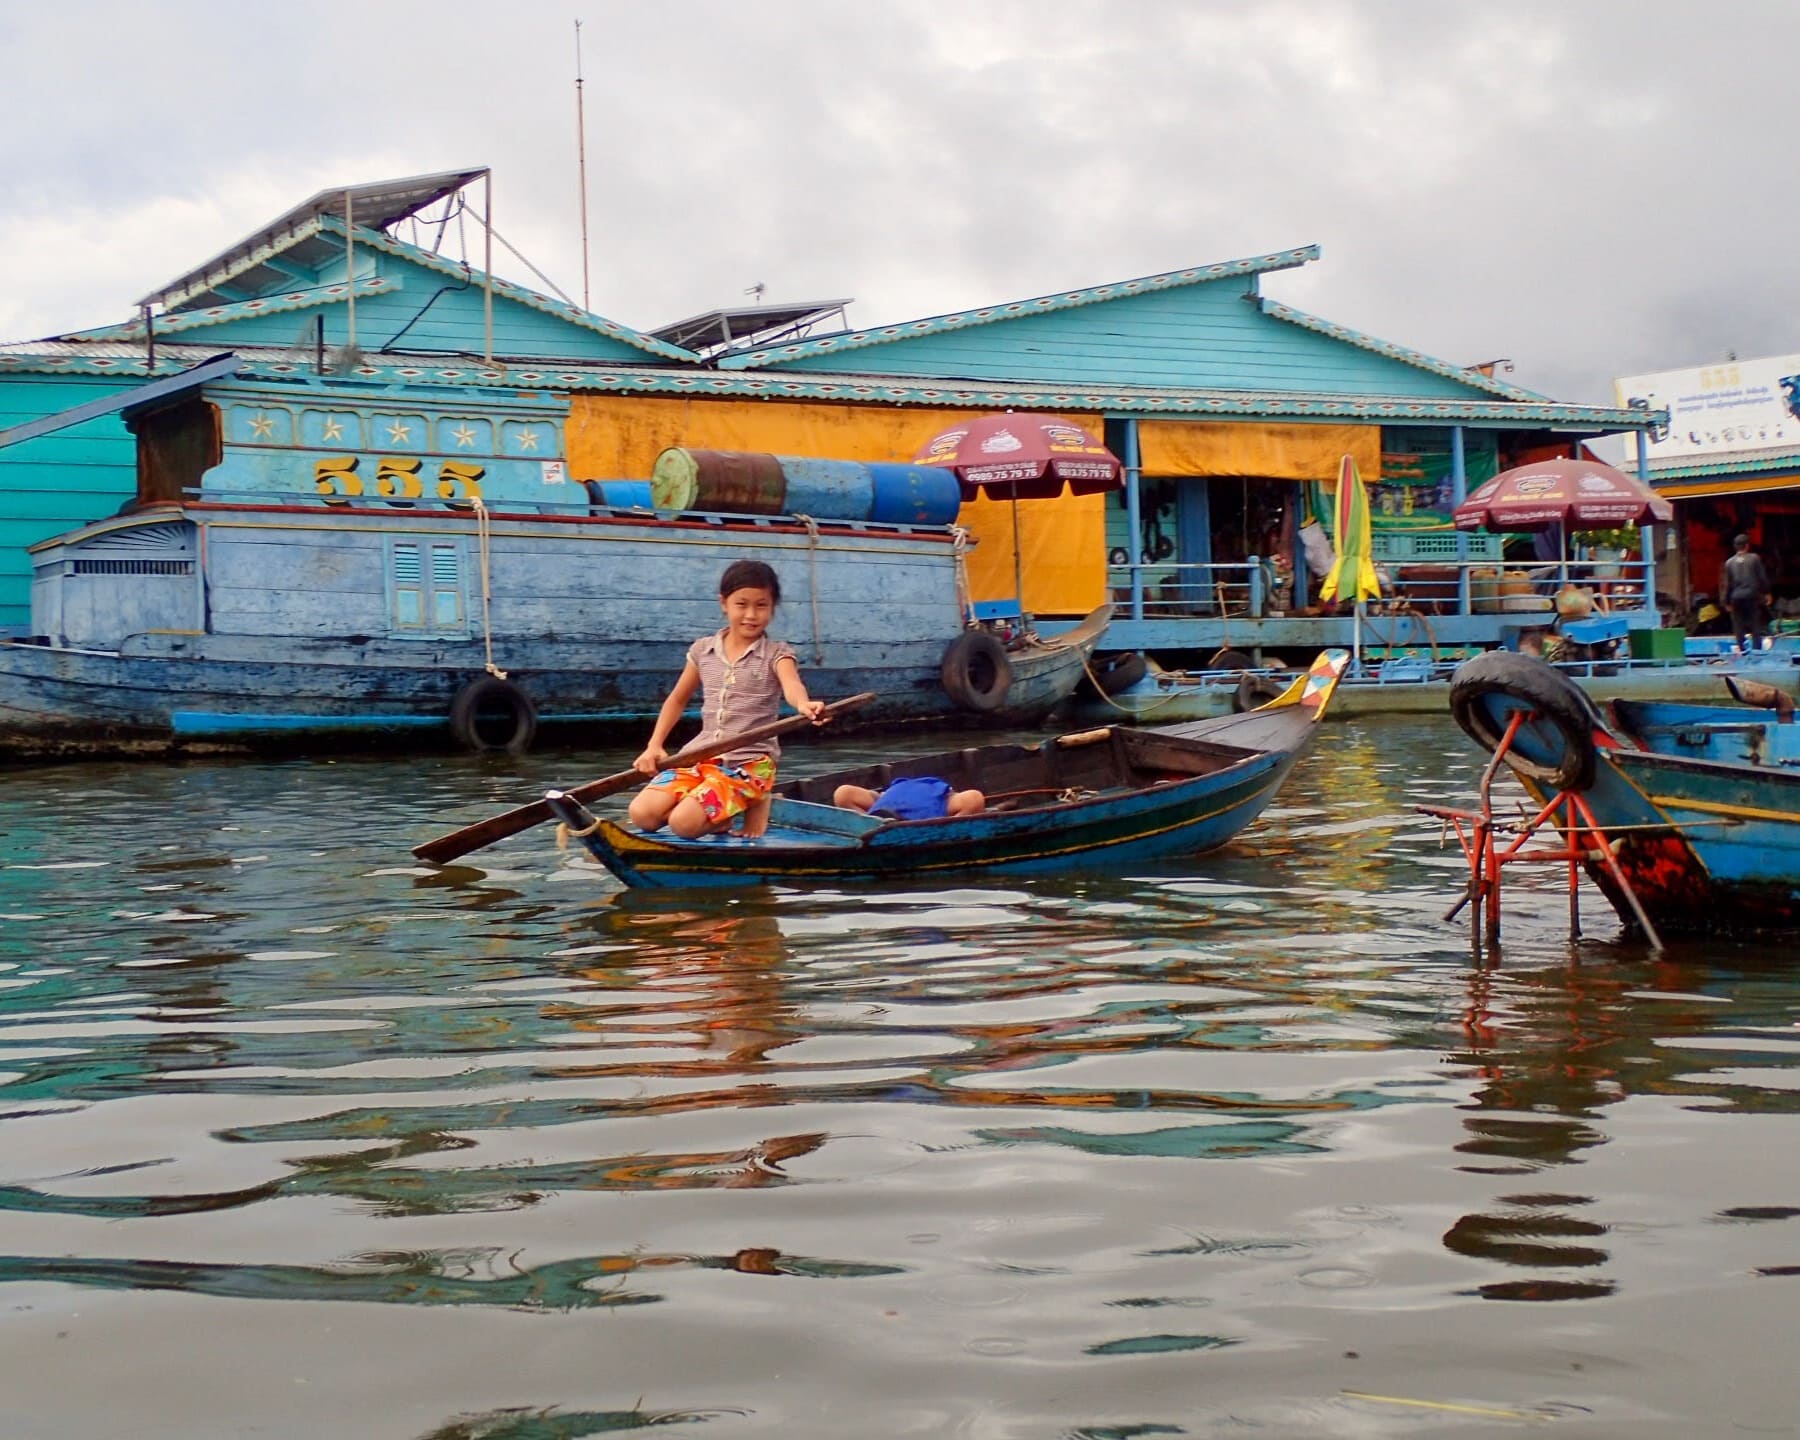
x: 528, y: 439
x: 399, y: 431
x: 334, y: 428
x: 464, y: 436
x: 262, y: 426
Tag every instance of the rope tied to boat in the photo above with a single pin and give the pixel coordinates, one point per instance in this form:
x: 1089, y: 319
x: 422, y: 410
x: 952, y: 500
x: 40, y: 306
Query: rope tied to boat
x: 483, y: 545
x: 565, y: 833
x: 1145, y: 709
x: 959, y: 554
x: 812, y: 581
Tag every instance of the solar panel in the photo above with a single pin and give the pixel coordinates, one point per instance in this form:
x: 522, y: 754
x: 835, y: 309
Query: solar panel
x: 743, y: 326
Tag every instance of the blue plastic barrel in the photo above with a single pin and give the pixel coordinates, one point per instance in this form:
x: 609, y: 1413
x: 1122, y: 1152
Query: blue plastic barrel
x: 826, y: 489
x: 620, y: 494
x: 914, y: 494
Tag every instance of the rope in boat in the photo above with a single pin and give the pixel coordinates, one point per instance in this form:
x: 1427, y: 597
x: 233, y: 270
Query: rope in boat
x: 1125, y: 709
x: 482, y: 542
x: 812, y: 580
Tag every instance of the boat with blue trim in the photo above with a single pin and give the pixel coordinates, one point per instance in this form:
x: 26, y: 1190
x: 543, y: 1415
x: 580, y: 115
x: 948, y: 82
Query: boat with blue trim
x: 1106, y: 796
x: 307, y: 565
x: 1687, y: 815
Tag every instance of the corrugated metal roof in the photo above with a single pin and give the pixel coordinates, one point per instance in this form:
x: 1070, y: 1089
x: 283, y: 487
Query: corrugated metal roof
x: 376, y: 205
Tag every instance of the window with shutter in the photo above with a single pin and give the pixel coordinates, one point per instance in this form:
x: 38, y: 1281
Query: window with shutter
x: 426, y: 585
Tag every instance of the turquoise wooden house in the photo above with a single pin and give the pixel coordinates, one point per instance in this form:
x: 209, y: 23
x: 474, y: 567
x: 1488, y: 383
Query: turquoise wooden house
x: 1228, y: 406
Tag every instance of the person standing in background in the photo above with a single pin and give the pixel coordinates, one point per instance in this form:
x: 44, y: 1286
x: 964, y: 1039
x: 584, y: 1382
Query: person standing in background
x: 1745, y: 586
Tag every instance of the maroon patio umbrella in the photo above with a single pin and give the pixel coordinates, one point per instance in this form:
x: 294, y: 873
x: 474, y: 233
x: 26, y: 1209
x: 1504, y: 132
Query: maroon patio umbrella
x: 1022, y: 457
x: 1576, y: 494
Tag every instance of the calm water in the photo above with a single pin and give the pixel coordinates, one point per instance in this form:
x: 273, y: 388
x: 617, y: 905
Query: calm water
x: 299, y: 1139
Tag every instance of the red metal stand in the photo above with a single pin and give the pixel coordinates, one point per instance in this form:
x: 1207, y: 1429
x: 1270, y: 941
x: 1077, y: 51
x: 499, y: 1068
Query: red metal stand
x: 1579, y: 838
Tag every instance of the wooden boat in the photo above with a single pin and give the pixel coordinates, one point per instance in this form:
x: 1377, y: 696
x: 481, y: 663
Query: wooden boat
x: 1042, y: 671
x: 309, y: 565
x: 1699, y: 804
x: 1097, y: 797
x: 1419, y: 687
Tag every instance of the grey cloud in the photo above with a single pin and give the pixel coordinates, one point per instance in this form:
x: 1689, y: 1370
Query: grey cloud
x: 1590, y: 189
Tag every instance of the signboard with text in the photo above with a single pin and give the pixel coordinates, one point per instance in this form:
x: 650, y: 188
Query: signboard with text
x: 1722, y: 409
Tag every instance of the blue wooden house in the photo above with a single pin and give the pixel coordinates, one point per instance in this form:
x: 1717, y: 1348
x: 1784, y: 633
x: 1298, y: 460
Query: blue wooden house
x: 349, y: 331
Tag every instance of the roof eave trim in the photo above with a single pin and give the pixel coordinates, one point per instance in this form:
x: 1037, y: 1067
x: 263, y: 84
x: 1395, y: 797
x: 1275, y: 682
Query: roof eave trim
x: 182, y: 321
x: 1017, y: 309
x: 1276, y: 310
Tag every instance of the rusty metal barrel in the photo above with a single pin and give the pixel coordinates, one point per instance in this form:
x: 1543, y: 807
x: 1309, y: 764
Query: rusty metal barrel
x: 731, y: 482
x: 745, y: 483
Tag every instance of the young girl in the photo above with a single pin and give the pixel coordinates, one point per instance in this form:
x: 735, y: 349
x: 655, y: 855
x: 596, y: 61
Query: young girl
x: 743, y: 674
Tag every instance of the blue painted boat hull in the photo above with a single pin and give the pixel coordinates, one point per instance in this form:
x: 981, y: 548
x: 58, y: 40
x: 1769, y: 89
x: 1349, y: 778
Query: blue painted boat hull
x: 1168, y: 697
x: 1703, y: 813
x: 1108, y: 797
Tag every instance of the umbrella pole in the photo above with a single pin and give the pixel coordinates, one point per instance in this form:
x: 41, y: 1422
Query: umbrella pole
x: 1018, y: 563
x: 1356, y: 615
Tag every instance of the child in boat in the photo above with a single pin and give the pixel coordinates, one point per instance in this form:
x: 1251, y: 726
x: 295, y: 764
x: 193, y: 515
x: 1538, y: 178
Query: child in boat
x: 742, y: 673
x: 918, y: 797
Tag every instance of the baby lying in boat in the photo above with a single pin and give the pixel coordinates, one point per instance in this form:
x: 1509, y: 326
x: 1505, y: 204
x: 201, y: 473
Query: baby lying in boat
x: 919, y: 797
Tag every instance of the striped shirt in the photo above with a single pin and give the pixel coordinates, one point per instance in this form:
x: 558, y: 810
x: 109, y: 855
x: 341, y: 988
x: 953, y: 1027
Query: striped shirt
x: 739, y: 695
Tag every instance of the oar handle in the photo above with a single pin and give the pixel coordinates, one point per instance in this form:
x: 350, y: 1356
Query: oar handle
x: 511, y: 822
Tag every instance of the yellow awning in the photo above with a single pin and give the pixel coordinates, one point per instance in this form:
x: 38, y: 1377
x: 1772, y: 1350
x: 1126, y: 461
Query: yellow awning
x: 1275, y: 452
x: 1739, y: 485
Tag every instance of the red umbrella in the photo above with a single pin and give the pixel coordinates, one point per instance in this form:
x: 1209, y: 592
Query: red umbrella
x: 1576, y: 494
x: 1023, y: 457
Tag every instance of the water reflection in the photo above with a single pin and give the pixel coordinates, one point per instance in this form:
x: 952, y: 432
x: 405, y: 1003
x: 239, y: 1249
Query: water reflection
x: 1167, y: 1127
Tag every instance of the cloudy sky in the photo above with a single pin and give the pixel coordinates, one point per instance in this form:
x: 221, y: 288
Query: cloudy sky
x: 1589, y: 188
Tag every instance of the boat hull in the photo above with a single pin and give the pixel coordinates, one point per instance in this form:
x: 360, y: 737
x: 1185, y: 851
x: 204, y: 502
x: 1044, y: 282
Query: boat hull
x: 62, y: 703
x: 1181, y: 819
x: 1153, y: 702
x: 1094, y: 798
x: 1699, y: 803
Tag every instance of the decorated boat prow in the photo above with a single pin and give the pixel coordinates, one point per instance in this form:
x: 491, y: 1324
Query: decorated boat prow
x: 1099, y: 797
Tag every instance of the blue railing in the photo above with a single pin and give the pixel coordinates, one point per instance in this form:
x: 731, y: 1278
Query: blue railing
x: 1250, y: 589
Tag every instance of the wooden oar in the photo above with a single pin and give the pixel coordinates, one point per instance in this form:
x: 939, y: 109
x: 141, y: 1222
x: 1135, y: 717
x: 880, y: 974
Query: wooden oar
x: 486, y: 832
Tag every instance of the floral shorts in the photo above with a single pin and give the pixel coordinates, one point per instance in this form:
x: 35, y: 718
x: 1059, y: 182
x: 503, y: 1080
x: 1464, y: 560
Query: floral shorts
x: 724, y: 791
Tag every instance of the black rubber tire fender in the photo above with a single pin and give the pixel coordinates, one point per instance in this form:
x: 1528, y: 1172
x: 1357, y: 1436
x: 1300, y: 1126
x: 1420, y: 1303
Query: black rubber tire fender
x: 493, y: 714
x: 1115, y: 671
x: 976, y: 672
x: 1255, y: 691
x: 1561, y: 705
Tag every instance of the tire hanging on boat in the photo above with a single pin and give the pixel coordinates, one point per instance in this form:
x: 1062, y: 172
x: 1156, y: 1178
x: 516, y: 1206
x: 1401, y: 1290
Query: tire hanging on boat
x: 493, y: 714
x: 976, y: 672
x: 1253, y: 692
x: 1114, y: 671
x: 1559, y: 702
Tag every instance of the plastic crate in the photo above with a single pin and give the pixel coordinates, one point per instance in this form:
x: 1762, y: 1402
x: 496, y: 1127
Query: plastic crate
x: 1658, y: 644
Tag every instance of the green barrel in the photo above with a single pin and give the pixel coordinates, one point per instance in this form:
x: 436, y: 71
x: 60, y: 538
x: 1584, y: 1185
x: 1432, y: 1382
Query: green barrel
x: 729, y: 482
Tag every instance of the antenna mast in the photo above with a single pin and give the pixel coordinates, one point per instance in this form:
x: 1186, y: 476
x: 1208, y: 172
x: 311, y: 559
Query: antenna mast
x: 581, y: 165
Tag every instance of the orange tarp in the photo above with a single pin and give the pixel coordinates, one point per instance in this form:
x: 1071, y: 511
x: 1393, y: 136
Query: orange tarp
x: 1267, y: 451
x: 618, y: 437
